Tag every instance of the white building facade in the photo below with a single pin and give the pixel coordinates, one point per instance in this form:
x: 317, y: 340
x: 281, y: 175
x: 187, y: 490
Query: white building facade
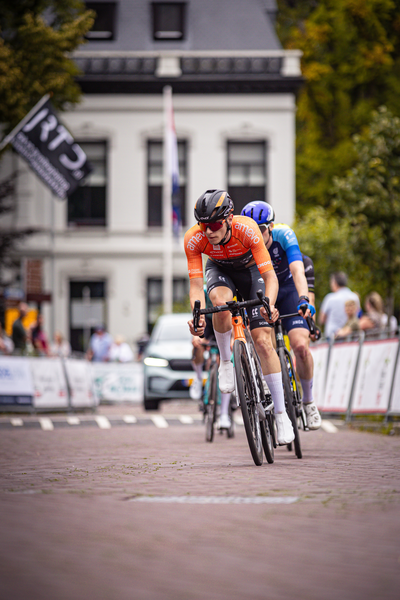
x: 234, y: 107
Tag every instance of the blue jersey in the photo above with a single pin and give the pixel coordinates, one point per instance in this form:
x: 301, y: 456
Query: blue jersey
x: 283, y: 251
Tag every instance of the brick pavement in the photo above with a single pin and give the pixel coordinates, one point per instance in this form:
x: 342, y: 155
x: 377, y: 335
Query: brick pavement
x: 71, y: 530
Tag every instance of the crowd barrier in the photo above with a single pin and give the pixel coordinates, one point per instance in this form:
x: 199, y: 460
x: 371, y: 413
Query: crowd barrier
x: 66, y: 384
x: 357, y: 377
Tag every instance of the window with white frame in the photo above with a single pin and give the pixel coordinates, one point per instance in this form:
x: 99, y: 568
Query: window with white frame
x: 247, y: 172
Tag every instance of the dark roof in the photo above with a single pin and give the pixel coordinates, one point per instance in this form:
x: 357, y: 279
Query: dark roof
x: 229, y: 46
x: 210, y: 25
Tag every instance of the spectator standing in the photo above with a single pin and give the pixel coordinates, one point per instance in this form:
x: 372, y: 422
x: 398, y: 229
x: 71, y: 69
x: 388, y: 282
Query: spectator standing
x: 39, y: 337
x: 374, y: 317
x: 60, y: 347
x: 332, y: 313
x: 353, y: 323
x: 6, y: 343
x: 19, y: 335
x: 120, y: 351
x: 99, y: 346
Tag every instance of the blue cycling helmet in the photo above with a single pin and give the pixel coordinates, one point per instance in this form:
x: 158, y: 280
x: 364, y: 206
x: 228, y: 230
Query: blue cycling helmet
x: 260, y: 211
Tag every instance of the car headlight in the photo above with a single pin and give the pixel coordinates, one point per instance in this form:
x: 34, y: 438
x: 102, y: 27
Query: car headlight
x: 150, y: 361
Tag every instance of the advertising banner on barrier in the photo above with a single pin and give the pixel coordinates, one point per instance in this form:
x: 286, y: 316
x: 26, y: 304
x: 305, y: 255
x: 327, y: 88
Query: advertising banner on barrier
x: 80, y: 383
x: 320, y: 353
x: 395, y: 403
x: 16, y: 385
x: 115, y: 382
x: 341, y: 371
x: 374, y: 376
x: 49, y: 383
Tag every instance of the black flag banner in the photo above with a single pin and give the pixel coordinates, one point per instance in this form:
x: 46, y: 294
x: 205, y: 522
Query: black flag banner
x: 50, y: 150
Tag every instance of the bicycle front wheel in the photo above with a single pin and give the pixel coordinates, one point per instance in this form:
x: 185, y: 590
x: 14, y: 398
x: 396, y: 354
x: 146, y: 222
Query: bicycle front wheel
x: 211, y: 406
x: 289, y: 388
x: 247, y: 399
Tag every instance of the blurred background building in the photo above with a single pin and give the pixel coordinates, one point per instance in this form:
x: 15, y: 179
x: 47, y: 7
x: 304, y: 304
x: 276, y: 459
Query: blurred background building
x: 99, y: 256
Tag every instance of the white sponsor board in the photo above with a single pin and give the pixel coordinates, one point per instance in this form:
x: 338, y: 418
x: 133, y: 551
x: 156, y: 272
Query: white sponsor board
x: 341, y: 370
x: 320, y: 353
x: 49, y: 383
x: 395, y: 403
x: 374, y: 376
x: 16, y: 385
x: 116, y: 382
x: 80, y: 383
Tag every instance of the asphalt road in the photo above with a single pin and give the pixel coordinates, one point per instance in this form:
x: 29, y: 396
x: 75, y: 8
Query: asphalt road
x: 146, y: 509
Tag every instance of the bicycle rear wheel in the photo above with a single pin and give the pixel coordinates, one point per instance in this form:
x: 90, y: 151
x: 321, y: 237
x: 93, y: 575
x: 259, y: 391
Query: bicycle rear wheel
x: 291, y: 402
x: 247, y: 399
x: 211, y: 406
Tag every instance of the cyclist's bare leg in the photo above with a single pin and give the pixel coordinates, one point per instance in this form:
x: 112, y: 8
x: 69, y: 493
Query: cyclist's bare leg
x: 299, y: 341
x: 222, y: 323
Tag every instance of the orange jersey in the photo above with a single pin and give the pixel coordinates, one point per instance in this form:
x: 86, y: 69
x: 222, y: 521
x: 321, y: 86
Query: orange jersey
x: 246, y: 243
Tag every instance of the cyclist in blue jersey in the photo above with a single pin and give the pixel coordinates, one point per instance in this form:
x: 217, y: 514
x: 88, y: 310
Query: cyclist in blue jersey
x: 282, y: 244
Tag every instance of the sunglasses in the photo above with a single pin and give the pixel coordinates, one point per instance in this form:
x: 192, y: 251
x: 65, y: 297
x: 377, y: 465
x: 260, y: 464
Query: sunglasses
x: 212, y: 226
x: 263, y: 228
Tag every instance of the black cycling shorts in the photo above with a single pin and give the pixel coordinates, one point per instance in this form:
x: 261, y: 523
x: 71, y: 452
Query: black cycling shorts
x: 246, y: 281
x: 286, y: 303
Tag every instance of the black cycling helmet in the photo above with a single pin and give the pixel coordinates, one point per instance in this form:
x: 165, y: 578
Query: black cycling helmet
x: 260, y: 211
x: 213, y: 200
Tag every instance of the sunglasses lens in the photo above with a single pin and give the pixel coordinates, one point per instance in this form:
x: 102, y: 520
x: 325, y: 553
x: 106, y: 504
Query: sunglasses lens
x: 211, y: 226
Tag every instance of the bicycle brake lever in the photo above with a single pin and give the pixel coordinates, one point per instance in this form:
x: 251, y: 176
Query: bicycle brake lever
x: 265, y: 302
x: 196, y: 316
x: 312, y: 328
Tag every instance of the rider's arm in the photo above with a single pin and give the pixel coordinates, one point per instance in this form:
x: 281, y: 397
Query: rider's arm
x: 297, y: 270
x: 196, y: 292
x: 271, y: 286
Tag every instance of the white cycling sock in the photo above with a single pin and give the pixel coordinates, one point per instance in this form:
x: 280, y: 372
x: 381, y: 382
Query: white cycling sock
x: 274, y: 382
x: 198, y: 369
x: 225, y: 399
x: 307, y: 385
x: 224, y: 344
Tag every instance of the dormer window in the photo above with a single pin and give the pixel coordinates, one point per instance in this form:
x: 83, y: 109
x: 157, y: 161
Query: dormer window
x: 105, y: 22
x: 168, y: 20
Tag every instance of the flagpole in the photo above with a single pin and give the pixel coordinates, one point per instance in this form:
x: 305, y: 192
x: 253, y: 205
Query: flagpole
x: 167, y: 205
x: 22, y: 123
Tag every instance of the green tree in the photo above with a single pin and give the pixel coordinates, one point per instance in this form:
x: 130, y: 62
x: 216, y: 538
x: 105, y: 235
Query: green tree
x: 351, y: 65
x: 36, y: 39
x: 368, y: 198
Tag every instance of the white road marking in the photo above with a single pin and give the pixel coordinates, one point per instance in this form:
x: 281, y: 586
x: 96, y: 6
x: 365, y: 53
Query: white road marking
x: 186, y: 419
x: 17, y: 422
x: 103, y: 422
x: 73, y: 421
x: 46, y: 424
x: 159, y: 421
x: 130, y: 419
x: 329, y: 427
x: 217, y: 499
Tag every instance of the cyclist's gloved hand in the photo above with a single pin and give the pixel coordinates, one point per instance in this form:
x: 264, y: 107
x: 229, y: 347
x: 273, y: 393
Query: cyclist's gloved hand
x: 304, y: 304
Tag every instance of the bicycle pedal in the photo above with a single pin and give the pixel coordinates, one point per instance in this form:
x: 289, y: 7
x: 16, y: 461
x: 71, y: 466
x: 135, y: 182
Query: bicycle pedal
x: 269, y: 407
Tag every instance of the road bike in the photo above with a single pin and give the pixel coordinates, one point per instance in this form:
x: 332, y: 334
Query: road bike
x: 212, y: 395
x: 256, y: 405
x: 291, y: 388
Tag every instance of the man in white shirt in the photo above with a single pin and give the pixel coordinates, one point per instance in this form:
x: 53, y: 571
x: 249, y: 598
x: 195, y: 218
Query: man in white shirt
x: 332, y: 312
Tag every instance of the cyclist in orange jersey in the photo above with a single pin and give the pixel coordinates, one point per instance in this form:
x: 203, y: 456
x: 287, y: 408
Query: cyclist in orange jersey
x: 238, y: 261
